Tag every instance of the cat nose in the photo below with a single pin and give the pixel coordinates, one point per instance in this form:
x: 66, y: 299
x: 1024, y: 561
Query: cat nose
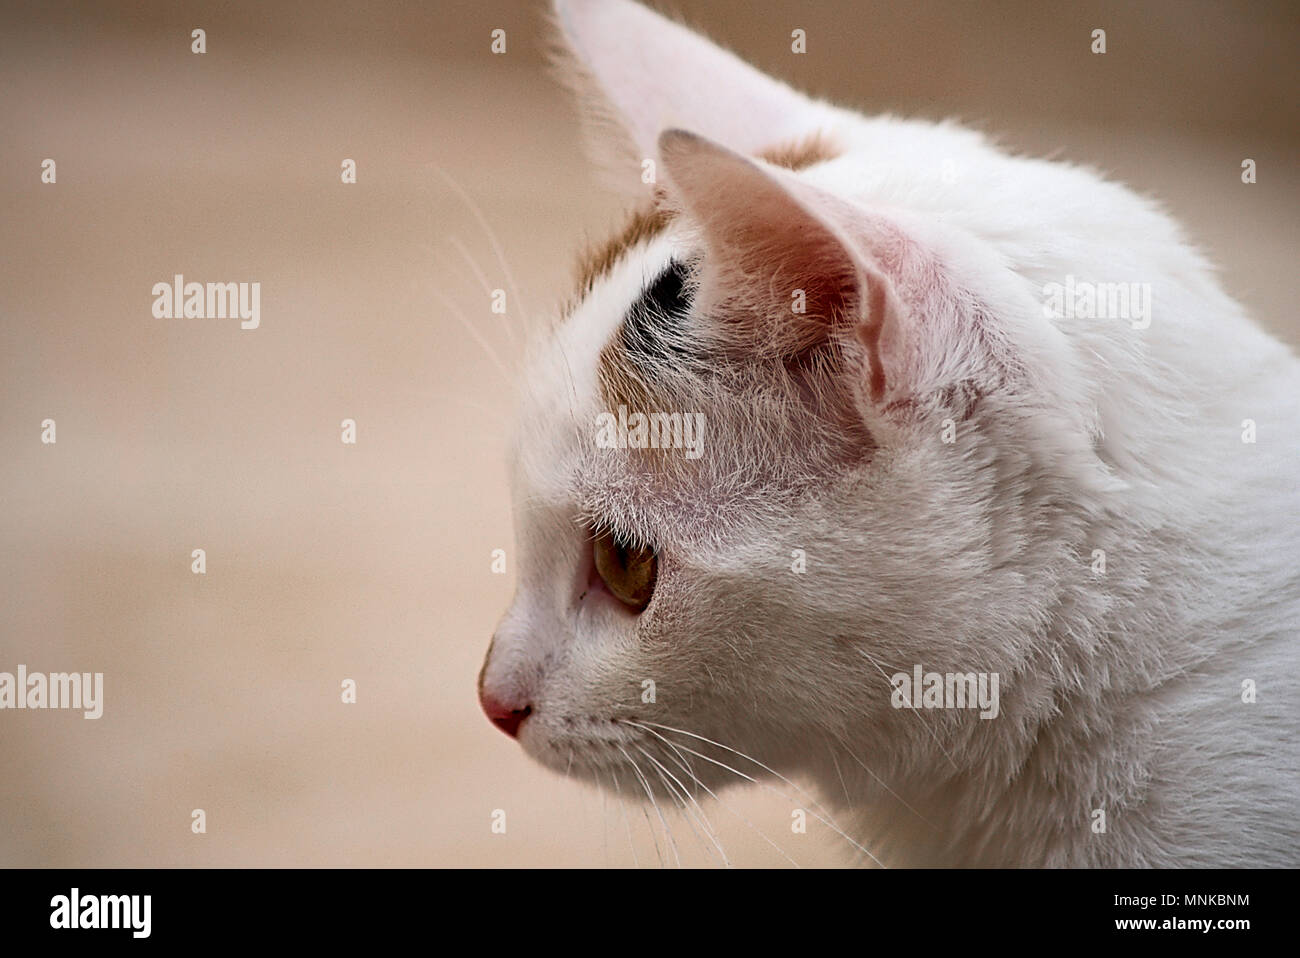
x: 504, y: 716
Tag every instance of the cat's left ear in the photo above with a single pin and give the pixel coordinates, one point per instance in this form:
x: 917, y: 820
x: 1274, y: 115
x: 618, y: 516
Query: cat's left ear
x: 788, y: 268
x: 637, y: 74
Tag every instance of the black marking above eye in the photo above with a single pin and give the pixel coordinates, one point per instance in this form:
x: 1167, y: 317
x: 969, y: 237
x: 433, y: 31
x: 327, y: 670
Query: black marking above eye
x: 667, y: 295
x: 652, y: 328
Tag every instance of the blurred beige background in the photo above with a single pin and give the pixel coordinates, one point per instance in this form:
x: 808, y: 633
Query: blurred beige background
x: 371, y: 562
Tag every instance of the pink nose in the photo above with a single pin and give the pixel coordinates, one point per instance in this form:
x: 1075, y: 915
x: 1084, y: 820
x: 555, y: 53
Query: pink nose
x: 503, y: 716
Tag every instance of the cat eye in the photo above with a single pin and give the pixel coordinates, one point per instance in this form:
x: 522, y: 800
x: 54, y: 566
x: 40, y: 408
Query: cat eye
x: 628, y: 571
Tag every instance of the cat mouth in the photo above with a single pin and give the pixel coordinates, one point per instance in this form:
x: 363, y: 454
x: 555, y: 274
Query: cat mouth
x: 580, y: 747
x: 629, y: 757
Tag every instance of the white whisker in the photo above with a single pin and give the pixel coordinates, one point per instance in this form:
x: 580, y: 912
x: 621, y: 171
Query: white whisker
x: 686, y: 808
x: 867, y: 655
x: 481, y: 276
x: 491, y: 236
x: 627, y: 827
x: 812, y: 806
x: 645, y: 784
x: 690, y: 771
x: 478, y: 337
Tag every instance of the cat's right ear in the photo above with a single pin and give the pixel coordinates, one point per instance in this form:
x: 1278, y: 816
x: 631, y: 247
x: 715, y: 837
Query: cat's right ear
x: 636, y: 74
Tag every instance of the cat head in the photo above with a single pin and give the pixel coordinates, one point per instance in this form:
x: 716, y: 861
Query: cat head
x: 803, y: 428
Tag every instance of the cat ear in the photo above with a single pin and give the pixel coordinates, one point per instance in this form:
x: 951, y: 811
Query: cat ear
x: 637, y: 73
x: 782, y: 274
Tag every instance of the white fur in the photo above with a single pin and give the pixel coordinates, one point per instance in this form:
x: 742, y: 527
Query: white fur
x: 1120, y: 692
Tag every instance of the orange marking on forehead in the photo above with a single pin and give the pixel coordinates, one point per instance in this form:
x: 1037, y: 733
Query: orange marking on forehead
x: 647, y: 222
x: 619, y: 382
x: 800, y: 154
x: 597, y: 261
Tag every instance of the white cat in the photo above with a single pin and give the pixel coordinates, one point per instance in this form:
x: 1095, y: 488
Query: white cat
x: 936, y: 435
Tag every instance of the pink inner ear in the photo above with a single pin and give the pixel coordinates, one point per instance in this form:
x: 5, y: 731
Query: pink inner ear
x: 877, y: 335
x: 789, y: 274
x: 769, y: 234
x: 777, y: 275
x: 890, y: 332
x: 925, y: 335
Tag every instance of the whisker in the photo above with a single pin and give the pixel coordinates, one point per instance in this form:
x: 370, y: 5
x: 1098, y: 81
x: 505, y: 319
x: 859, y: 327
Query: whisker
x: 764, y: 785
x: 481, y: 276
x: 645, y: 784
x: 642, y: 782
x: 726, y: 807
x: 627, y: 827
x: 653, y: 837
x: 604, y: 818
x: 478, y: 337
x: 677, y: 803
x: 812, y: 806
x: 848, y: 751
x: 924, y: 724
x: 687, y: 793
x: 686, y: 808
x: 844, y: 785
x: 491, y: 236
